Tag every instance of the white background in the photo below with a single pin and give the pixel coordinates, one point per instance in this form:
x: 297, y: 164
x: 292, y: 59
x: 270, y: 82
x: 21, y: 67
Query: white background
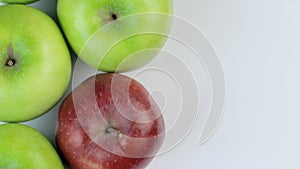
x: 258, y: 42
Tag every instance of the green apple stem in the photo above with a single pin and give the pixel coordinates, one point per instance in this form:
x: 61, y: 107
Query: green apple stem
x: 114, y: 16
x: 107, y: 16
x: 10, y: 61
x: 114, y: 131
x: 10, y: 51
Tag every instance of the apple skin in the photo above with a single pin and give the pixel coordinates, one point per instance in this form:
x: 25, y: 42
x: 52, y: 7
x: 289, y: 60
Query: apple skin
x: 103, y: 102
x: 41, y: 71
x: 107, y: 22
x: 24, y: 147
x: 18, y: 1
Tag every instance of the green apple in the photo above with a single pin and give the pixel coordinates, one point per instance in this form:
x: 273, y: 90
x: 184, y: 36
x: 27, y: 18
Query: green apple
x: 18, y: 1
x: 24, y: 147
x: 107, y: 34
x: 35, y: 64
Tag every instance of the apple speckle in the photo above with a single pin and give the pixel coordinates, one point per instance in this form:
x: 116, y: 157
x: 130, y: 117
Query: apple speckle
x: 123, y: 142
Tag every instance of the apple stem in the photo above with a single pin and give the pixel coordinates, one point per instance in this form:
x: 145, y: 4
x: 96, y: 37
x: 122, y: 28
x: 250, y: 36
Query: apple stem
x: 114, y: 16
x: 10, y: 62
x: 10, y: 51
x: 114, y: 131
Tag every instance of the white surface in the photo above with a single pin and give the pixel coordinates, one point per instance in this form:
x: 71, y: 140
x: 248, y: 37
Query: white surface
x: 258, y: 44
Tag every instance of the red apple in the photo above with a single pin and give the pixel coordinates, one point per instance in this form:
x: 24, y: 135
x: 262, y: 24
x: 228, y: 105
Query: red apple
x: 109, y: 122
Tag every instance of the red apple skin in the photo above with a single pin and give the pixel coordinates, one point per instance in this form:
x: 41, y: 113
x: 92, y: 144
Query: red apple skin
x: 109, y: 101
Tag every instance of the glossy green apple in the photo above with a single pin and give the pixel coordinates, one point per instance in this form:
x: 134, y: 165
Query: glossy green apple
x: 107, y: 34
x: 35, y: 64
x: 18, y: 1
x: 24, y: 147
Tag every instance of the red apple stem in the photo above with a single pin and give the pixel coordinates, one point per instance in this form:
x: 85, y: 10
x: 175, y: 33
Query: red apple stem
x: 114, y: 131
